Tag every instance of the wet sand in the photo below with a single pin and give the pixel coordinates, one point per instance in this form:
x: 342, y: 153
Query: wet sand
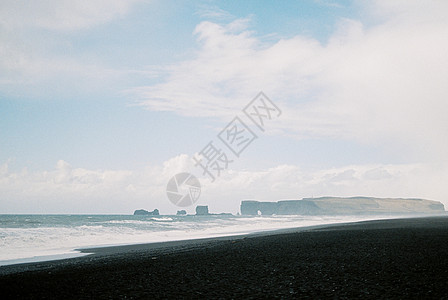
x: 406, y: 258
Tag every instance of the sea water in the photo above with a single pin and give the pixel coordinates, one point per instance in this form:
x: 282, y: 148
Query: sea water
x: 30, y: 238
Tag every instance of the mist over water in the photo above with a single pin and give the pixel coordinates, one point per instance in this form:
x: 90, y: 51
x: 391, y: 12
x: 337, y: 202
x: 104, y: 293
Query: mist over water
x: 42, y: 237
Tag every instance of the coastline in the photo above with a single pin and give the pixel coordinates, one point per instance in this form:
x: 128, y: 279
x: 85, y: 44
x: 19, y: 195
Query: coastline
x: 132, y: 231
x: 93, y: 252
x: 395, y: 257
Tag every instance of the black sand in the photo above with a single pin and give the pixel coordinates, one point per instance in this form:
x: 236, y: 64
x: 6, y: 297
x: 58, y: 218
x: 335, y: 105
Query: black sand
x: 405, y: 258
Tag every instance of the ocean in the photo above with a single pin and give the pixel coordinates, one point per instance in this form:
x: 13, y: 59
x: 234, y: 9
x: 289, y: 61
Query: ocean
x: 32, y: 238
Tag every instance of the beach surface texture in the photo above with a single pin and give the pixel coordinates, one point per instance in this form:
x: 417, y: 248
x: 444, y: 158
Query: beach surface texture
x: 400, y: 258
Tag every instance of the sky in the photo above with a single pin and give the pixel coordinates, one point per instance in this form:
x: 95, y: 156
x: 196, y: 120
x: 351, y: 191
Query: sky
x: 102, y: 102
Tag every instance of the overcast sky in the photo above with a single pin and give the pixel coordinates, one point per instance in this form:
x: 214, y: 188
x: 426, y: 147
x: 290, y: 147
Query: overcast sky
x: 103, y: 101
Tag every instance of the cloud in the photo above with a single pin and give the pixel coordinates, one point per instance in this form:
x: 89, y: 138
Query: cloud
x: 61, y: 15
x: 78, y: 190
x: 67, y: 189
x: 381, y: 84
x: 213, y: 12
x: 37, y: 53
x: 292, y: 182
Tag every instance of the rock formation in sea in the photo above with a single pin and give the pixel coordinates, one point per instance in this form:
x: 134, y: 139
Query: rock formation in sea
x: 143, y: 212
x: 342, y: 206
x: 202, y: 210
x: 181, y: 213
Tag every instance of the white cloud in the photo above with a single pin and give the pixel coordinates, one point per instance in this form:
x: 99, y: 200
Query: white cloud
x: 66, y: 189
x: 61, y: 14
x: 383, y: 84
x: 37, y: 56
x: 291, y: 182
x: 78, y: 190
x: 213, y: 12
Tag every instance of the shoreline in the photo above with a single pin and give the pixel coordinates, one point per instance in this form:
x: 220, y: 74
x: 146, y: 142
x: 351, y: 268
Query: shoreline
x: 75, y: 252
x: 45, y: 261
x: 116, y: 249
x: 82, y: 250
x: 404, y: 257
x: 39, y: 262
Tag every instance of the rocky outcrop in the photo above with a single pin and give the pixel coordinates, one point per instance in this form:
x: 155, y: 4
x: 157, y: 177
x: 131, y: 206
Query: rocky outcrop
x: 202, y: 210
x: 181, y: 213
x: 342, y: 206
x: 143, y: 212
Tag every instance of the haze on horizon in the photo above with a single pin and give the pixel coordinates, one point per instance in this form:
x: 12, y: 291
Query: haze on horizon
x: 102, y: 103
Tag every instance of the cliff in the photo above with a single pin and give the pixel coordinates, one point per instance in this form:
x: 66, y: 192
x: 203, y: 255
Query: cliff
x: 342, y: 206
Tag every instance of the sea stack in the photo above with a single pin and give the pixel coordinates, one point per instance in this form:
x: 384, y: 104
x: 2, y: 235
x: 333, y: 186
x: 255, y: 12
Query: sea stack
x: 202, y: 210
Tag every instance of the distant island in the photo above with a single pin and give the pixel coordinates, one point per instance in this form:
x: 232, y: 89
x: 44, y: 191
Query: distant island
x: 342, y: 206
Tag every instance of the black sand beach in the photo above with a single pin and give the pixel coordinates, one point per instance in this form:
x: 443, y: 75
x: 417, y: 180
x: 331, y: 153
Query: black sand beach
x: 406, y: 258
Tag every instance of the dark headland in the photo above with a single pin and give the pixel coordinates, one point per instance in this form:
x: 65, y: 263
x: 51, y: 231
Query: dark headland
x: 402, y: 258
x: 343, y: 206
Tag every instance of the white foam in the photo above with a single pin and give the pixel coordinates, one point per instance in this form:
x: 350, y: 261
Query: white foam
x: 26, y: 243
